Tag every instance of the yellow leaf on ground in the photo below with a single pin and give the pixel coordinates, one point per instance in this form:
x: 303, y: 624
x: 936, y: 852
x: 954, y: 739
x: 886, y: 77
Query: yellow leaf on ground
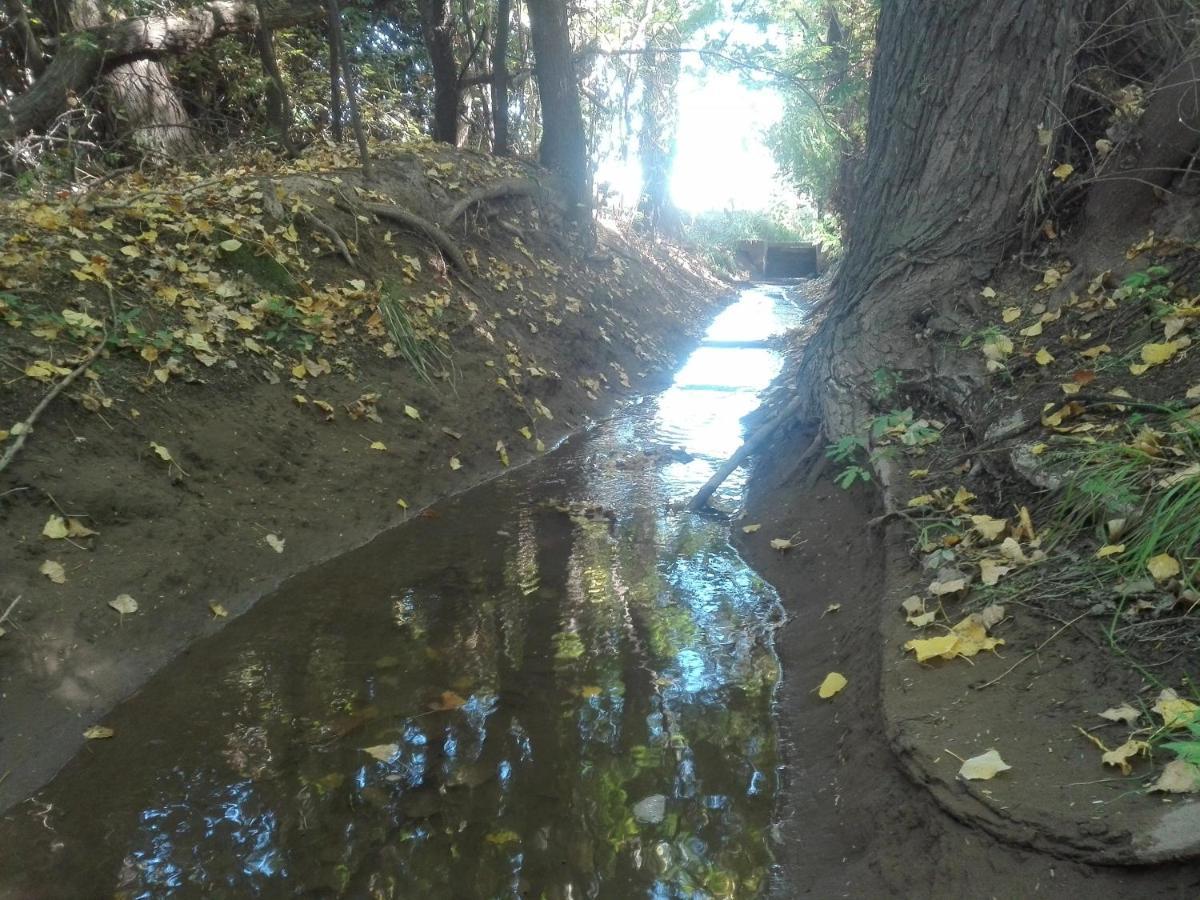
x: 275, y: 542
x: 55, y: 528
x: 1110, y: 550
x: 1178, y: 777
x: 231, y: 245
x: 1063, y: 172
x: 218, y: 611
x: 411, y: 412
x: 1011, y: 314
x: 1175, y: 711
x: 989, y: 529
x: 949, y: 586
x: 124, y: 604
x: 161, y: 452
x: 832, y: 684
x: 1163, y: 566
x: 1121, y: 755
x: 750, y: 529
x: 930, y: 648
x: 983, y: 767
x: 781, y: 544
x: 98, y: 733
x: 1123, y: 713
x: 922, y: 500
x: 1157, y: 354
x: 455, y: 463
x: 918, y: 473
x: 54, y: 571
x: 378, y: 445
x: 991, y: 571
x: 1043, y: 357
x: 1094, y: 352
x: 402, y: 503
x: 1033, y: 330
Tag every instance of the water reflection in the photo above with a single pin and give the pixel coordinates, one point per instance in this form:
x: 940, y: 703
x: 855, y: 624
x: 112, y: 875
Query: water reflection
x: 558, y: 688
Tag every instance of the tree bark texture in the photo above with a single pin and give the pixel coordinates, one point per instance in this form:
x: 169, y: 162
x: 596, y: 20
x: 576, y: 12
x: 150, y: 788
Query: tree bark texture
x: 22, y: 35
x: 563, y: 147
x: 87, y: 54
x: 437, y: 28
x: 958, y: 91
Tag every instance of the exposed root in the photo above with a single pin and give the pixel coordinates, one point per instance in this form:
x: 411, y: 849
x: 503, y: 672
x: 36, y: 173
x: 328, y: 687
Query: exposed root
x: 509, y: 187
x: 314, y: 221
x: 413, y: 222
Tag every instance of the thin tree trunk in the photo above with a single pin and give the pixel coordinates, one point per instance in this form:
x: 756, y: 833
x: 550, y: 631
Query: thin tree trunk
x: 656, y: 140
x: 563, y: 147
x: 335, y: 90
x: 347, y: 70
x: 499, y: 86
x: 437, y: 29
x: 279, y: 110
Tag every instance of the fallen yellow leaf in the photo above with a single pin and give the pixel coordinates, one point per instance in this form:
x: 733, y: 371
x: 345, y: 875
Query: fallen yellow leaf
x: 983, y: 767
x: 832, y: 684
x: 1043, y: 357
x: 1163, y: 566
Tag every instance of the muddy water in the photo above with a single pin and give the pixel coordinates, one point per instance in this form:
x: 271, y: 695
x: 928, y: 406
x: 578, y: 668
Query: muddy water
x: 556, y: 685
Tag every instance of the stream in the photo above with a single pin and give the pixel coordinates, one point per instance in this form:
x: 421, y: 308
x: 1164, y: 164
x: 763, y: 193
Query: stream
x: 556, y: 685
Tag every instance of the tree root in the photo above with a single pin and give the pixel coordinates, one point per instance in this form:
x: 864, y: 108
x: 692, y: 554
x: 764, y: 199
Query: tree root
x: 509, y: 187
x: 27, y: 425
x: 413, y: 222
x: 314, y: 221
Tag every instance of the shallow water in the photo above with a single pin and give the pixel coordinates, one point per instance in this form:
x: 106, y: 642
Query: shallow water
x: 556, y: 685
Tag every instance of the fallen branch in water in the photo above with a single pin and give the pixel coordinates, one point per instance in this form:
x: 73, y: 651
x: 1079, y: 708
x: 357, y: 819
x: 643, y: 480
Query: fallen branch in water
x: 727, y: 469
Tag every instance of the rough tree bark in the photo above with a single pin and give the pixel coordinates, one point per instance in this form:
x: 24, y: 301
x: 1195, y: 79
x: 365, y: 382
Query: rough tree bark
x: 563, y: 147
x: 138, y: 96
x: 85, y: 56
x: 500, y: 140
x: 958, y: 92
x: 437, y: 29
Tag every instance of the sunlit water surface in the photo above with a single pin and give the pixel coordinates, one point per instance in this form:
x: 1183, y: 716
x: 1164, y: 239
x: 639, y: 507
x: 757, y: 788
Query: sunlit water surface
x: 557, y: 704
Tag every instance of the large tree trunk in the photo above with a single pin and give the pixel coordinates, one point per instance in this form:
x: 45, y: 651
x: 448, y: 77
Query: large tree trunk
x: 437, y: 27
x: 138, y: 96
x: 85, y: 56
x: 501, y: 145
x: 957, y: 95
x: 563, y: 147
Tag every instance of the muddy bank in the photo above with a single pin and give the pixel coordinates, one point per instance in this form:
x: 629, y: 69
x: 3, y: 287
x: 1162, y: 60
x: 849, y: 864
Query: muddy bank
x: 852, y: 822
x: 318, y: 449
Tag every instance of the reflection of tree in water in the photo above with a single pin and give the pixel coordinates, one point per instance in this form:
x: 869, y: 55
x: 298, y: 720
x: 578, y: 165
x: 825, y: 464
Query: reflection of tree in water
x: 573, y: 674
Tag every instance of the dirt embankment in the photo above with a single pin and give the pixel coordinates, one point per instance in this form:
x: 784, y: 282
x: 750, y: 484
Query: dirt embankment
x: 283, y: 375
x: 1025, y: 587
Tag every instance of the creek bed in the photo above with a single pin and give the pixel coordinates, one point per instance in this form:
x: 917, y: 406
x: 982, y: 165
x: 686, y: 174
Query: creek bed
x: 558, y: 684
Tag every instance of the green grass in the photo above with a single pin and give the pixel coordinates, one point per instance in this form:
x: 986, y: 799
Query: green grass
x: 427, y: 358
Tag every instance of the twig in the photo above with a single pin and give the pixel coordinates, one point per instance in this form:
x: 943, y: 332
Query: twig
x: 27, y: 425
x: 11, y: 607
x: 1034, y: 652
